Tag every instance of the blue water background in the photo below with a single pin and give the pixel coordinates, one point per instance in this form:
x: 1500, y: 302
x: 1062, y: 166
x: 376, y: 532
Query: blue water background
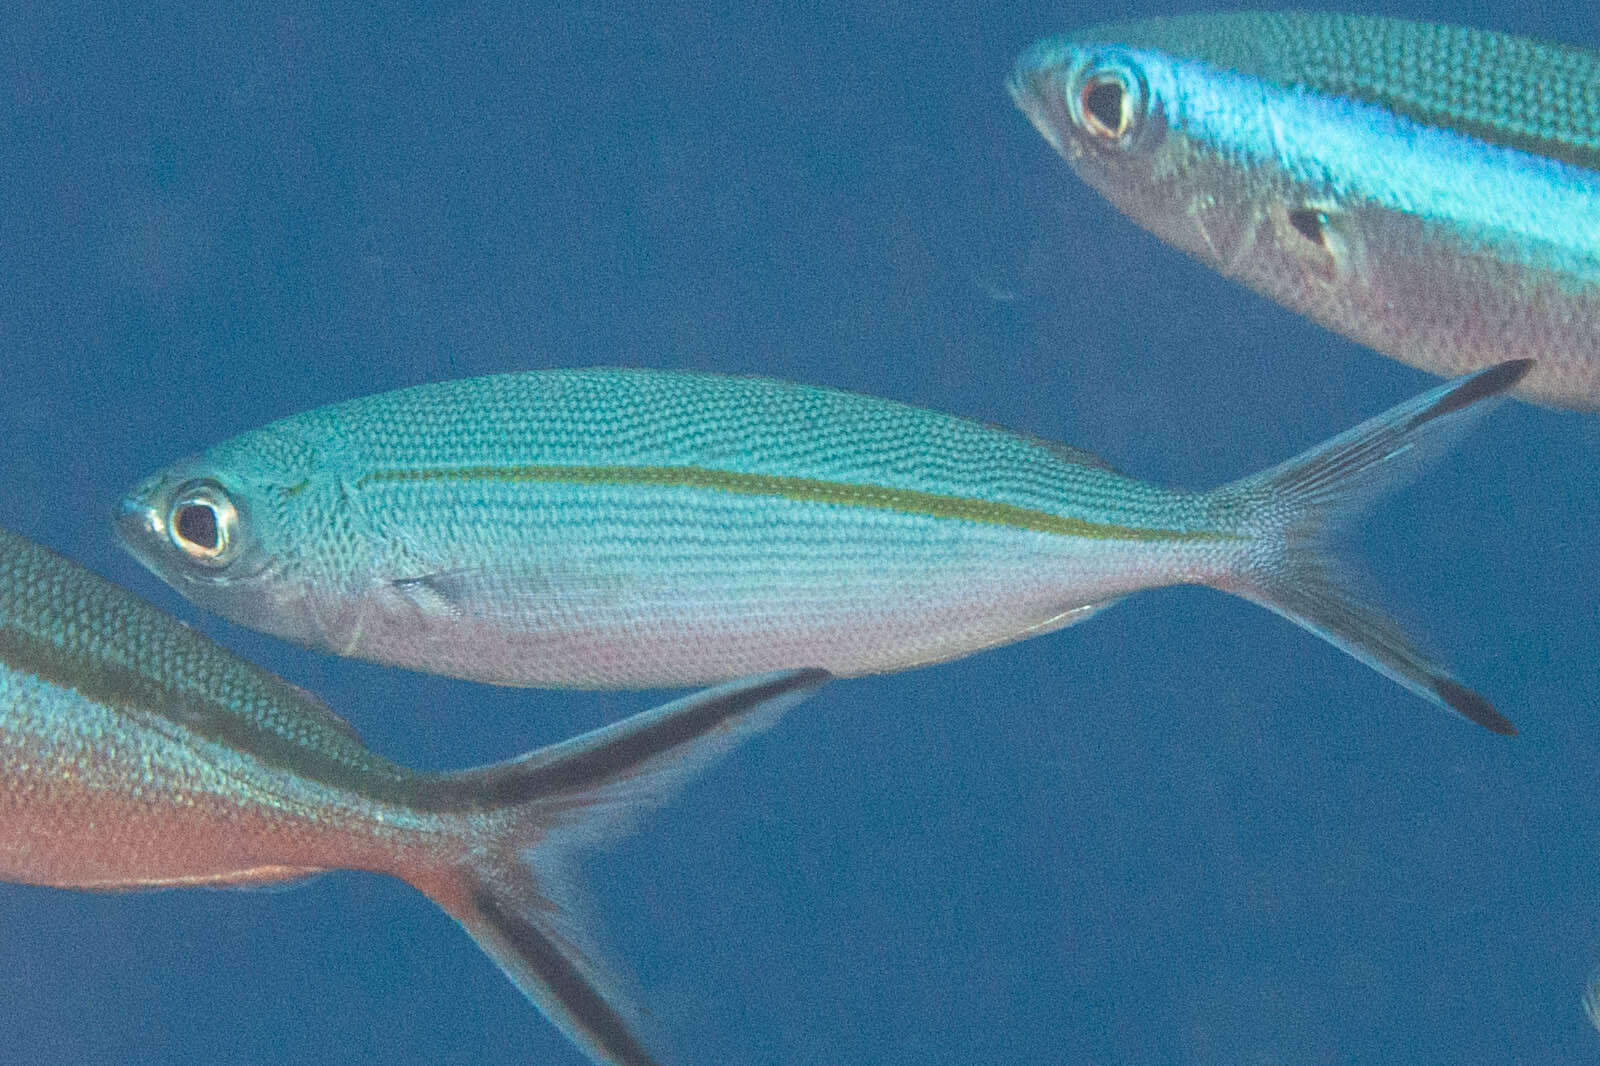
x: 1185, y: 832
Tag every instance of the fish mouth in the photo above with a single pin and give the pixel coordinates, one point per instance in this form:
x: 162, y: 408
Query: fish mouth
x: 1037, y: 90
x: 137, y: 525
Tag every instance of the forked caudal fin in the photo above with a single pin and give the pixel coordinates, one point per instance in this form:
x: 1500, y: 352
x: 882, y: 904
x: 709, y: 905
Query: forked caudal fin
x: 513, y: 891
x: 1292, y: 510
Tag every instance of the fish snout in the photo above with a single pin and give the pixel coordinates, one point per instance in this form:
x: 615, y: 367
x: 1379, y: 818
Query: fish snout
x: 137, y: 523
x: 1036, y: 89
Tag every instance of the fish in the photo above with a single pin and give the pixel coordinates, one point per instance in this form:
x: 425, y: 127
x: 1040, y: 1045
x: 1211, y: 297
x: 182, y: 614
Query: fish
x: 1429, y: 191
x: 136, y: 753
x: 617, y: 528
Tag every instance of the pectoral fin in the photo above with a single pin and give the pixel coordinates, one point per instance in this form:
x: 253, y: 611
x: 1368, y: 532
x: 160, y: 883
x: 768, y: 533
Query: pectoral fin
x: 520, y: 596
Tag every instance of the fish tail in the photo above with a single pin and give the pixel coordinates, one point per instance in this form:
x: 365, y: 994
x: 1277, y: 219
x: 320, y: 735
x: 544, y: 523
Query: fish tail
x: 1293, y: 510
x: 513, y: 887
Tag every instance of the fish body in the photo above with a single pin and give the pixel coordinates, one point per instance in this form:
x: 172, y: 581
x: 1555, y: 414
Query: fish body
x: 135, y: 753
x: 636, y: 528
x: 617, y: 528
x: 1430, y: 191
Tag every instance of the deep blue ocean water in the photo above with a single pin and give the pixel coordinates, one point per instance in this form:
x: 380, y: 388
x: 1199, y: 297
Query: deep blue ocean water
x: 1186, y: 832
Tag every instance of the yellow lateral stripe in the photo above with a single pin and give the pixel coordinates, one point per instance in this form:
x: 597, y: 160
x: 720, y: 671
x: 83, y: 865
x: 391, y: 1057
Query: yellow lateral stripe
x: 810, y: 490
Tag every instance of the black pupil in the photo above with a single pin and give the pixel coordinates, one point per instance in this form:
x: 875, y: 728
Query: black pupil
x: 1104, y: 102
x: 1309, y: 222
x: 197, y: 525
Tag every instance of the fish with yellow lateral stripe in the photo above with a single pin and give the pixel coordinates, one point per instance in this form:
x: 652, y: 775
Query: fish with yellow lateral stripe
x: 635, y: 528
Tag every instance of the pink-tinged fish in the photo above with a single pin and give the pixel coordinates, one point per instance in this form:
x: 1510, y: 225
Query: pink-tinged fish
x: 135, y: 753
x: 1431, y: 191
x: 638, y: 528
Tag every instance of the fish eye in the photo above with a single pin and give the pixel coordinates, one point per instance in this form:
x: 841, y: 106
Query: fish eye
x: 1110, y: 100
x: 202, y: 523
x: 1105, y: 104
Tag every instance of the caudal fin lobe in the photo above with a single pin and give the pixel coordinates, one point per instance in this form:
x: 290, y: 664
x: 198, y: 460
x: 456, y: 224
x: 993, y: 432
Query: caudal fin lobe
x: 1293, y: 511
x: 514, y: 891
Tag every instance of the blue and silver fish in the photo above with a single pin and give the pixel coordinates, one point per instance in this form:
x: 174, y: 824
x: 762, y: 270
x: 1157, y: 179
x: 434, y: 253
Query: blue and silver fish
x: 1430, y: 191
x: 637, y: 528
x: 135, y: 753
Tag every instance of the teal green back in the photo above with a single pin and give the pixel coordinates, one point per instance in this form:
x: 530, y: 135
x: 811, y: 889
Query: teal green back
x: 742, y: 425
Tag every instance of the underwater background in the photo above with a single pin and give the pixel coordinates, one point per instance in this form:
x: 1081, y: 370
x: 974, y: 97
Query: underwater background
x: 1184, y: 832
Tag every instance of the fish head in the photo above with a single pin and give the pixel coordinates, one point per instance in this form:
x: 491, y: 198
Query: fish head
x: 1093, y: 102
x: 1235, y: 169
x: 225, y: 529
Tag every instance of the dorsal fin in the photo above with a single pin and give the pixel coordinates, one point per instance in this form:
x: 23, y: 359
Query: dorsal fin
x: 1066, y: 452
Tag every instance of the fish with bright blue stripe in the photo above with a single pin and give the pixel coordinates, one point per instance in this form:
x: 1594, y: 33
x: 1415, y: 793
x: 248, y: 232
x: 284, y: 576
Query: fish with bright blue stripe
x: 1430, y: 191
x: 639, y: 528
